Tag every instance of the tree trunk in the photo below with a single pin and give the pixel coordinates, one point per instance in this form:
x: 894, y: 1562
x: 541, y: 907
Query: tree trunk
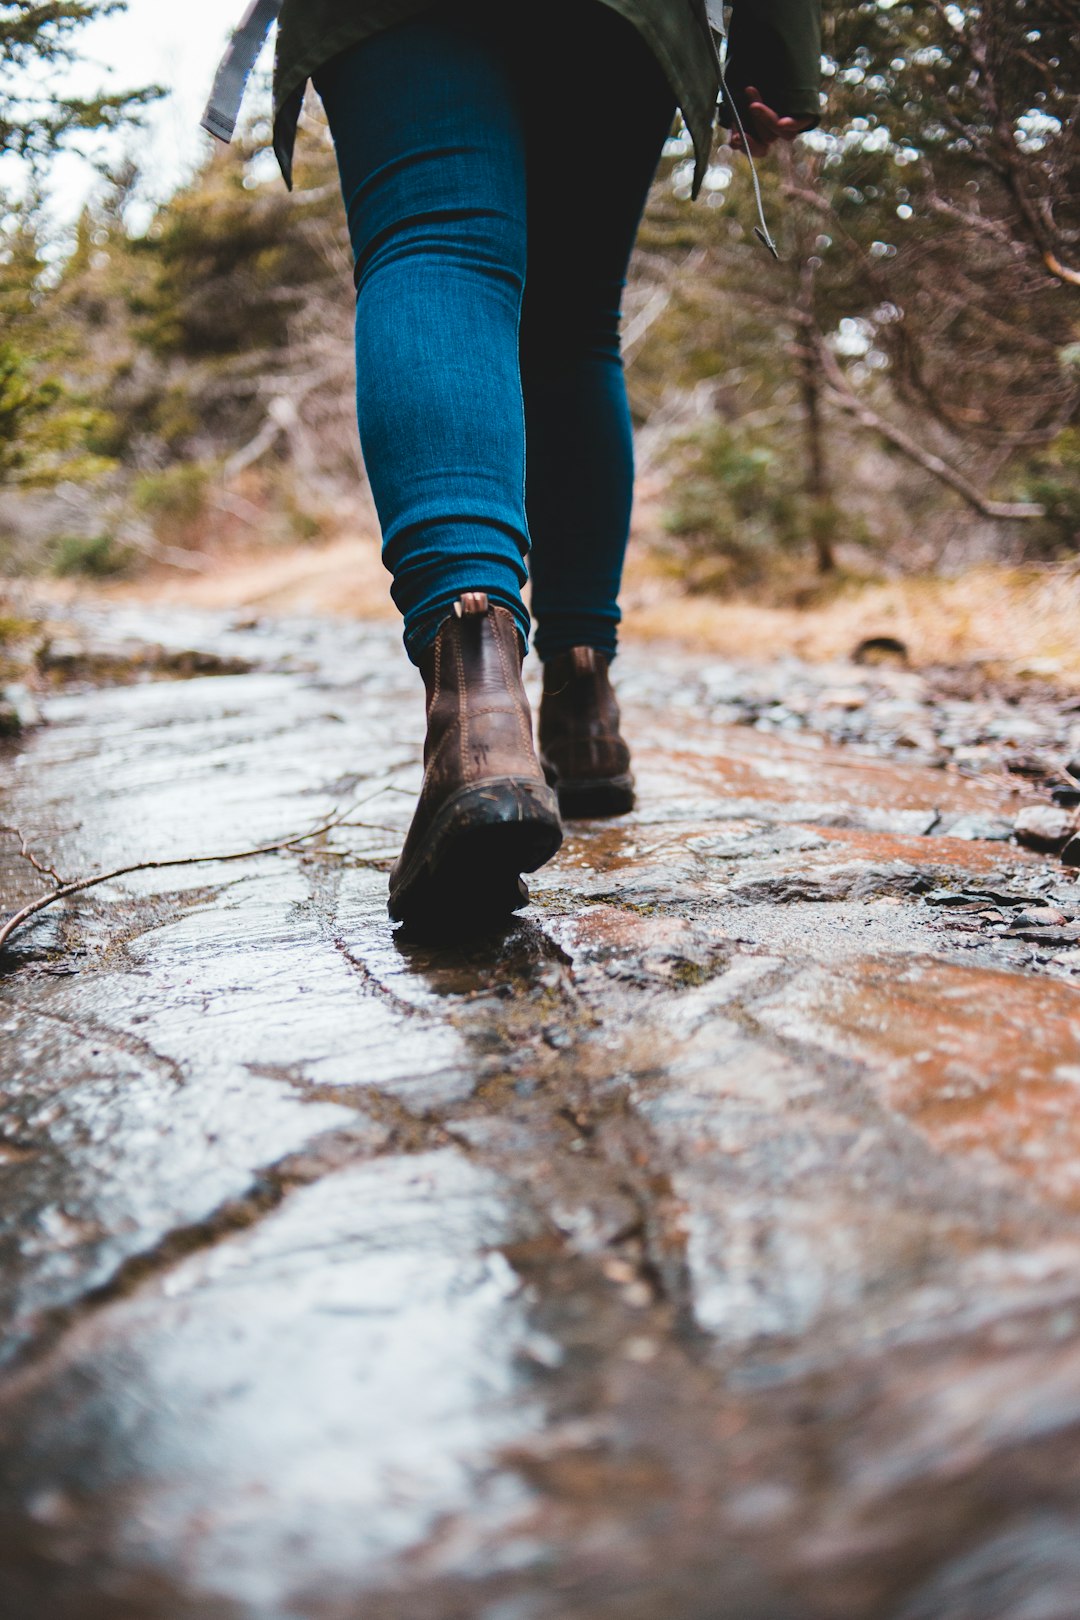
x: 818, y: 484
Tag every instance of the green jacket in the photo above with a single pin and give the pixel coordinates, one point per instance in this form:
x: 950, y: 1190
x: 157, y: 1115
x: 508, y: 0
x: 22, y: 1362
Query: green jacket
x: 774, y: 45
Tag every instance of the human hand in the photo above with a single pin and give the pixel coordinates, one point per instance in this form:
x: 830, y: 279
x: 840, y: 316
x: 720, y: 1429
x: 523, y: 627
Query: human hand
x: 763, y: 126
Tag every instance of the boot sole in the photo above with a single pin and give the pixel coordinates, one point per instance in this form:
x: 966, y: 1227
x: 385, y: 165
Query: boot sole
x: 587, y: 800
x: 467, y: 873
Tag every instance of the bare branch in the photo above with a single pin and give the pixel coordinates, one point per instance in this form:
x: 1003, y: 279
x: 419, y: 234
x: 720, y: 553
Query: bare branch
x: 1062, y: 271
x: 844, y: 396
x: 28, y: 855
x: 657, y: 303
x: 77, y: 886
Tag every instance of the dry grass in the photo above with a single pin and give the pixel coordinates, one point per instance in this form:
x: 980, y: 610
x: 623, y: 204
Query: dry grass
x: 344, y: 576
x: 1020, y: 621
x: 1016, y: 620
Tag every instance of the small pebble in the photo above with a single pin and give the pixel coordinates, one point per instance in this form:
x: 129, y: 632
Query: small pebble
x: 1044, y: 827
x: 994, y: 828
x: 844, y: 697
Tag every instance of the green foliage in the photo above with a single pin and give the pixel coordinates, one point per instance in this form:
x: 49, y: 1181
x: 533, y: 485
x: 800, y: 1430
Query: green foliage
x: 1052, y: 478
x: 926, y: 232
x: 36, y: 34
x: 731, y: 489
x: 44, y: 425
x: 23, y: 402
x: 304, y: 525
x: 737, y: 503
x: 46, y: 432
x: 14, y: 630
x: 99, y: 556
x: 45, y: 422
x: 175, y: 494
x: 229, y: 266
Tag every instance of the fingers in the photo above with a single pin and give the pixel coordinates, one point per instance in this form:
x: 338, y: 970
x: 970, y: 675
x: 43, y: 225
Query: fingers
x: 764, y: 123
x: 755, y: 147
x: 764, y: 126
x: 750, y: 137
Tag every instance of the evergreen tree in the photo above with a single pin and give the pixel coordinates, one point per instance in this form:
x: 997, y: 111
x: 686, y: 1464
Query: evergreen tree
x: 41, y: 421
x: 930, y: 245
x: 40, y: 34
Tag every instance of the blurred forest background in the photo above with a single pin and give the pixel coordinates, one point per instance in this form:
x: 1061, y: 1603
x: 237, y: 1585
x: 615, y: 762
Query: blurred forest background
x: 899, y: 396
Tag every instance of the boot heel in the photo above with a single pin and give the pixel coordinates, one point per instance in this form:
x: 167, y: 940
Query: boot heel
x: 468, y: 871
x: 485, y: 813
x: 605, y: 796
x: 582, y: 751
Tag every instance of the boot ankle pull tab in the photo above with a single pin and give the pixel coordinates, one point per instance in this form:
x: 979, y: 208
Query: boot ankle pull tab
x: 471, y: 604
x: 585, y: 660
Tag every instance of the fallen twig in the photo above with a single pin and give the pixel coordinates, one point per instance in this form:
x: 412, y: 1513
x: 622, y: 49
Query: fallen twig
x: 28, y: 855
x: 78, y: 885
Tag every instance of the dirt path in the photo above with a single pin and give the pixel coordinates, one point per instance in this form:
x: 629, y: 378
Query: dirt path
x: 706, y: 1245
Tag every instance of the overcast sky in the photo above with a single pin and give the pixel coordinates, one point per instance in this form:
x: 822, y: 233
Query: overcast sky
x: 153, y: 42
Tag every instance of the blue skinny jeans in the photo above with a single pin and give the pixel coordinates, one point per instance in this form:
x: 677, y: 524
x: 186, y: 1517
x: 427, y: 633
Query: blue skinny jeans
x: 493, y: 195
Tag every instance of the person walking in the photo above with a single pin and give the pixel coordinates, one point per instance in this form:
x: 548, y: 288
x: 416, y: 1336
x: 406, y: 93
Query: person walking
x: 491, y: 246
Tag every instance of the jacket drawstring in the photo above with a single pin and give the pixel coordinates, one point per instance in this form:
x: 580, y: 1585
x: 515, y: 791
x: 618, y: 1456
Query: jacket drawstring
x: 718, y: 32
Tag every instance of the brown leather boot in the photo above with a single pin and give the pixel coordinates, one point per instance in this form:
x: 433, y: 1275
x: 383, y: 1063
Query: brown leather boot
x: 583, y: 755
x: 485, y: 813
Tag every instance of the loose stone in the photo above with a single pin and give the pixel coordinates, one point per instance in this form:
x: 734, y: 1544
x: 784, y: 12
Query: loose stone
x: 1044, y: 827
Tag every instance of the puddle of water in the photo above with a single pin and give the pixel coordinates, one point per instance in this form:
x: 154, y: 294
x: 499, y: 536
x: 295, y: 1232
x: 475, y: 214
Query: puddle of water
x: 117, y: 1150
x: 295, y: 1408
x: 263, y: 983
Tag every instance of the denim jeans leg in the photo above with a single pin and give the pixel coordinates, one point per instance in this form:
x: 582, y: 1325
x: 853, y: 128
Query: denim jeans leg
x: 428, y: 132
x: 580, y: 465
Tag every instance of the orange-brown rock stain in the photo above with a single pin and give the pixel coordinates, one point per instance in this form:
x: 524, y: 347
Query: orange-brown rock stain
x: 985, y: 1064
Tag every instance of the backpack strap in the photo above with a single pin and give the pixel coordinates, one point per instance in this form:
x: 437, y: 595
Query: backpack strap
x: 234, y: 69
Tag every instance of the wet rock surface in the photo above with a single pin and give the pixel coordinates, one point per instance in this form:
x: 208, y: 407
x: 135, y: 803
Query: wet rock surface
x: 705, y: 1243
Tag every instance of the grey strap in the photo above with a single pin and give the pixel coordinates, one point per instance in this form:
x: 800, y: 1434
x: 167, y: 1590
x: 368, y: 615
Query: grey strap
x: 234, y: 69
